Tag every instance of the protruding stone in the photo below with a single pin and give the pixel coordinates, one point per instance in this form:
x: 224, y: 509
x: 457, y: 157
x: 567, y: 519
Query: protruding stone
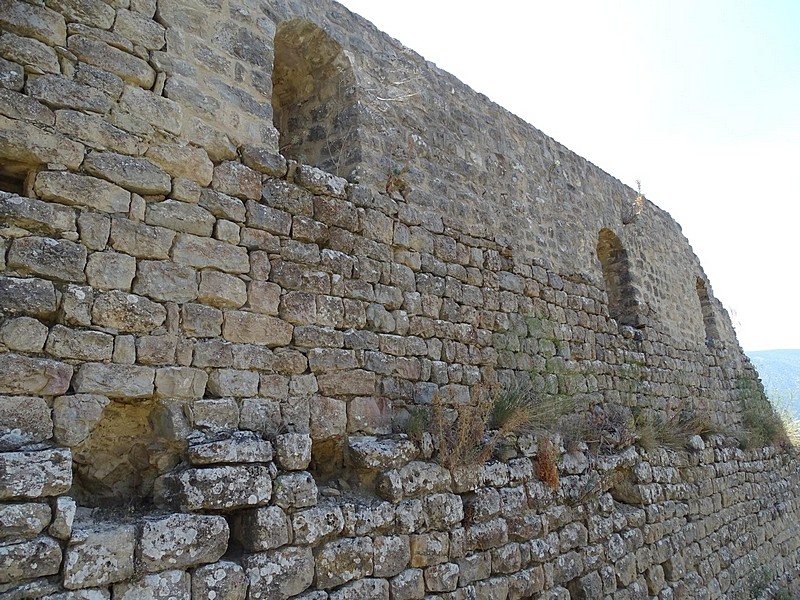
x: 82, y: 190
x: 215, y: 488
x: 261, y: 529
x: 181, y: 541
x: 63, y: 518
x: 368, y: 452
x: 237, y: 447
x: 318, y: 181
x: 293, y: 451
x: 35, y: 215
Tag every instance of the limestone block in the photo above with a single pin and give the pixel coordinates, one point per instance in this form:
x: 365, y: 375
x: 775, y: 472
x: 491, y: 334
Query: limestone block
x: 181, y: 541
x: 482, y: 504
x: 223, y: 206
x: 23, y: 520
x: 328, y: 417
x: 12, y: 78
x: 251, y: 328
x: 293, y: 451
x: 198, y: 320
x: 474, y: 567
x: 350, y: 383
x: 215, y: 488
x: 236, y: 447
x: 140, y: 240
x: 26, y: 143
x: 94, y: 231
x: 127, y: 312
x: 156, y: 349
x: 279, y: 573
x: 81, y: 190
x: 165, y: 281
x: 256, y: 239
x: 408, y: 513
x: 318, y: 181
x: 31, y: 296
x: 485, y: 536
x: 76, y: 305
x: 422, y: 478
x: 100, y: 54
x: 369, y: 452
x: 35, y: 474
x: 161, y: 113
x: 222, y: 290
x: 233, y: 382
x: 222, y: 580
x: 269, y: 219
x: 34, y: 376
x: 110, y: 270
x: 136, y: 27
x: 23, y: 334
x: 315, y: 525
x: 215, y: 414
x: 392, y: 554
x: 180, y: 382
x: 35, y: 215
x: 335, y: 212
x: 96, y: 132
x: 212, y: 353
x: 94, y: 13
x: 235, y: 179
x: 20, y: 560
x: 295, y: 490
x: 64, y: 342
x: 23, y: 420
x: 441, y: 578
x: 227, y: 231
x: 408, y: 585
x: 180, y: 216
x: 264, y: 161
x: 263, y: 297
x: 37, y: 22
x: 21, y: 107
x: 114, y: 380
x: 377, y: 589
x: 344, y: 560
x: 59, y: 92
x: 261, y: 529
x: 183, y: 161
x: 202, y: 253
x: 64, y: 515
x: 55, y: 259
x: 443, y: 511
x: 367, y: 518
x: 92, y: 594
x: 429, y: 549
x: 135, y: 174
x: 370, y: 414
x: 167, y: 585
x: 74, y: 417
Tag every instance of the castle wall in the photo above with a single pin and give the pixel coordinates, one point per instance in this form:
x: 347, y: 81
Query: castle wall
x: 210, y: 354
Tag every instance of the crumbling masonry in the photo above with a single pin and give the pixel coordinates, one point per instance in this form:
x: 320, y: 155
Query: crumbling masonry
x: 243, y: 241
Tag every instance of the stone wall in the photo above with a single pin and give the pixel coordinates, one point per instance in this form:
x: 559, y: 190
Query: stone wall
x: 209, y: 353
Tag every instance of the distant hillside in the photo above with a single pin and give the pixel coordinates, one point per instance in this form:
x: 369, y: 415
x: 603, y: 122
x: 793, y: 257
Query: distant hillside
x: 780, y: 373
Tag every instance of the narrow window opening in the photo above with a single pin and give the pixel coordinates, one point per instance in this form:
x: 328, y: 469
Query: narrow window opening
x: 709, y: 319
x: 314, y: 99
x: 622, y: 303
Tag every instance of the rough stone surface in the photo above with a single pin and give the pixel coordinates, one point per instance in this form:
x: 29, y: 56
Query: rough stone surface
x: 181, y: 541
x: 279, y: 573
x: 216, y: 488
x: 135, y: 174
x: 23, y: 375
x: 23, y: 520
x: 29, y: 559
x: 223, y: 580
x: 99, y: 555
x: 23, y: 420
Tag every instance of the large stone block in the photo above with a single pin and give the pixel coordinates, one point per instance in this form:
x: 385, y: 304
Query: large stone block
x: 279, y: 574
x: 202, y: 253
x: 82, y: 190
x: 222, y: 290
x: 21, y: 560
x: 64, y: 342
x: 223, y: 580
x: 127, y: 312
x: 343, y: 560
x: 93, y: 13
x: 21, y: 107
x: 31, y: 296
x: 29, y: 20
x: 23, y: 520
x: 160, y: 112
x: 36, y: 56
x: 251, y: 328
x: 140, y: 240
x: 167, y: 585
x: 23, y: 334
x: 180, y: 541
x: 165, y: 281
x: 96, y: 132
x: 99, y: 555
x: 215, y: 488
x: 35, y: 474
x: 33, y: 376
x: 12, y: 79
x: 235, y: 179
x: 110, y: 270
x: 23, y: 420
x: 315, y: 525
x: 181, y: 216
x: 115, y: 381
x: 74, y: 417
x: 261, y: 529
x: 55, y: 259
x: 100, y: 54
x: 135, y: 174
x: 138, y: 27
x: 369, y: 452
x: 348, y: 383
x: 236, y: 447
x: 60, y: 92
x: 35, y: 215
x: 26, y: 143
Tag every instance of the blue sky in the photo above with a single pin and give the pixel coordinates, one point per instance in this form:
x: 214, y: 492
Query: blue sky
x: 699, y: 100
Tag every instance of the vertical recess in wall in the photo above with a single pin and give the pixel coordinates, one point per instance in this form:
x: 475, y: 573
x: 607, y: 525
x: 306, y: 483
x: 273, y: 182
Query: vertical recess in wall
x: 314, y: 99
x: 709, y: 320
x: 12, y: 176
x: 622, y: 304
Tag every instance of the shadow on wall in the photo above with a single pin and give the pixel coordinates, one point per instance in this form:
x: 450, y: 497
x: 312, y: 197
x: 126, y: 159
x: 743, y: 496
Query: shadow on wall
x: 314, y: 99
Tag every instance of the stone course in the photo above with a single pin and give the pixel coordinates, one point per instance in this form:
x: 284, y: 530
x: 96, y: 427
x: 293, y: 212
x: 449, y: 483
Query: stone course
x: 217, y: 318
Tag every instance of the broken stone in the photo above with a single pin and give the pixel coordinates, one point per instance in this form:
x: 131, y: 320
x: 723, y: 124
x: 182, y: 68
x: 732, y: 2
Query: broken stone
x: 235, y: 179
x: 60, y: 92
x: 318, y: 181
x: 251, y: 328
x: 81, y: 190
x: 222, y: 290
x: 140, y: 240
x: 34, y: 21
x: 158, y: 111
x: 63, y: 517
x: 279, y: 573
x: 184, y: 161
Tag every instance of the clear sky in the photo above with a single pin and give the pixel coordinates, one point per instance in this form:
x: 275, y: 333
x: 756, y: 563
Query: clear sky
x: 697, y: 99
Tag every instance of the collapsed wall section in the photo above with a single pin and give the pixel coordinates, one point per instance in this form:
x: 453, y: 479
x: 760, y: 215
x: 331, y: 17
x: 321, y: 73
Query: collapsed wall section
x: 210, y: 354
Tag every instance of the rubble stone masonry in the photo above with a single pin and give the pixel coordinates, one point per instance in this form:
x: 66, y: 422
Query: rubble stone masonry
x: 243, y: 242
